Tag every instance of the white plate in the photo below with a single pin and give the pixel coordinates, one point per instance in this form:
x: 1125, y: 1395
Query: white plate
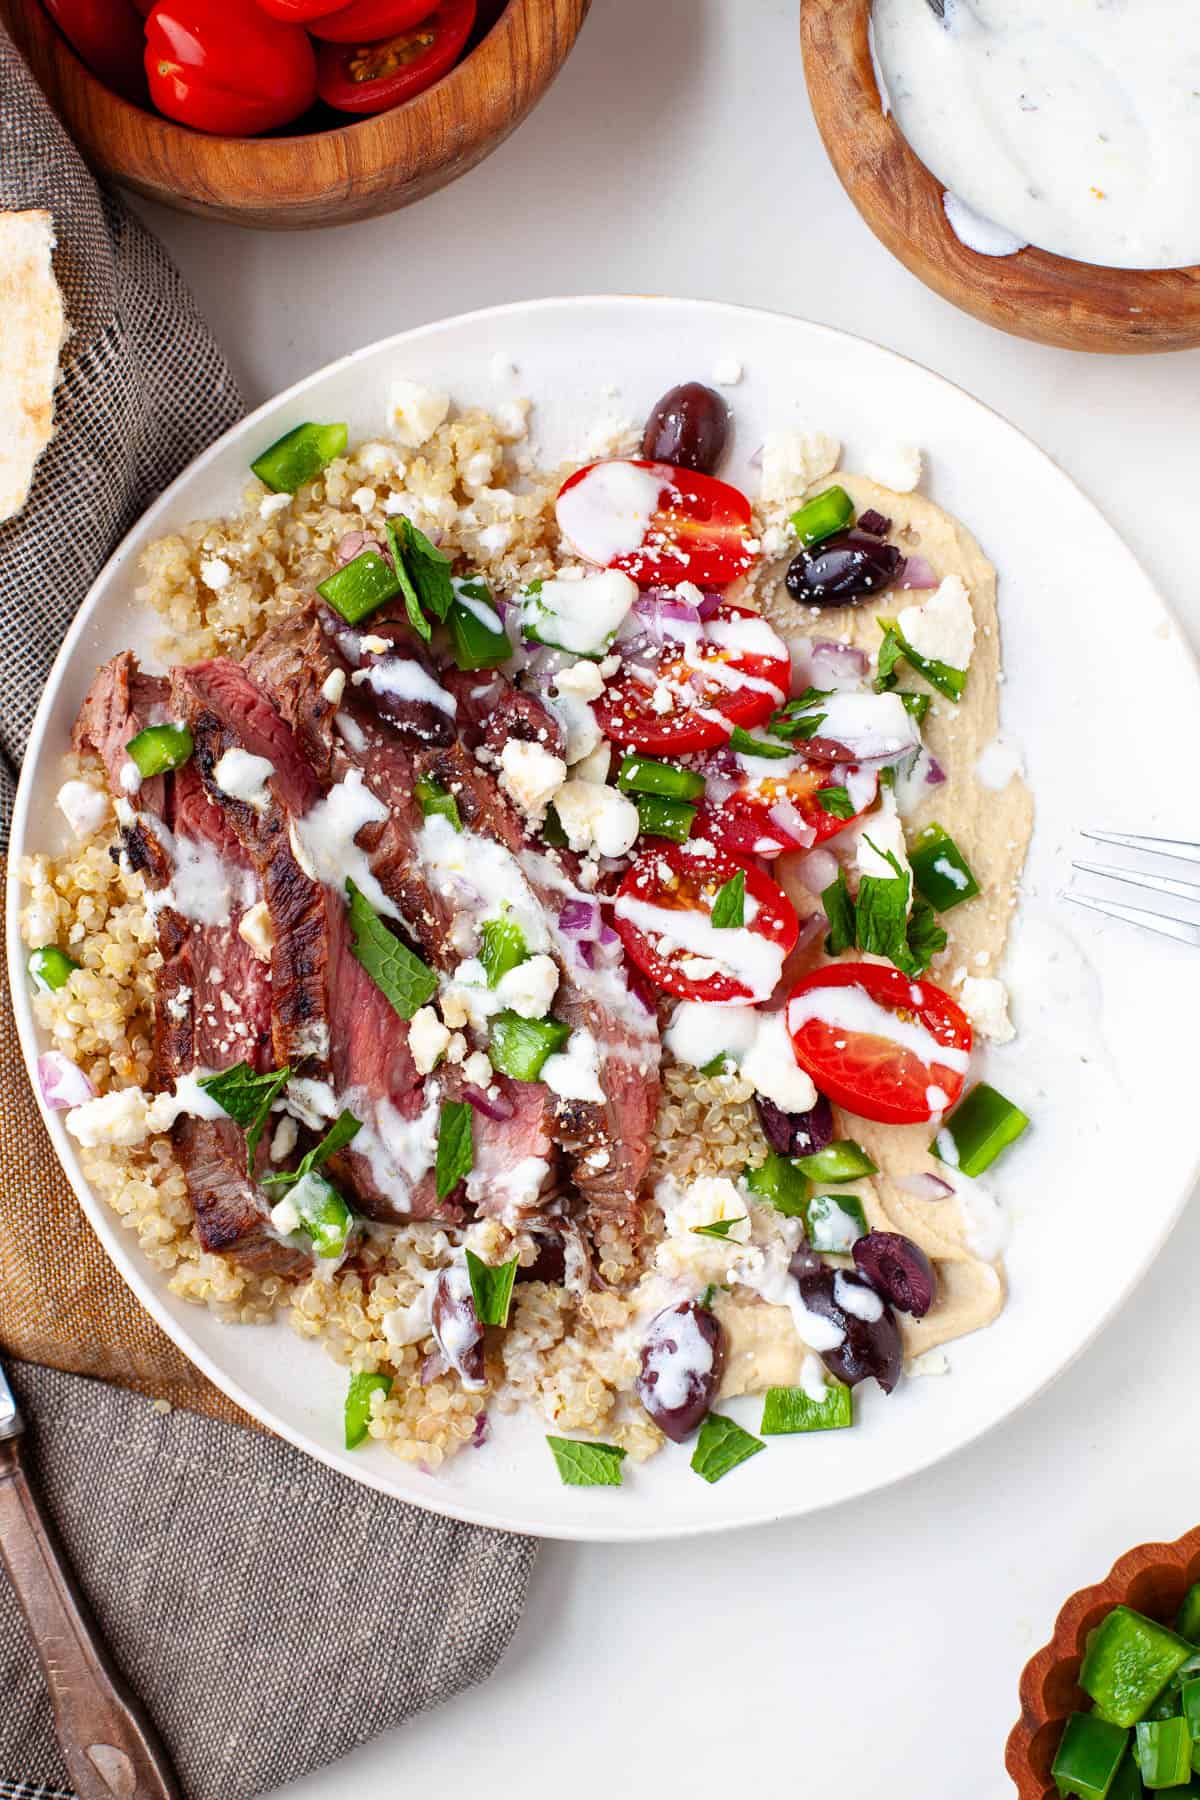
x: 1102, y: 693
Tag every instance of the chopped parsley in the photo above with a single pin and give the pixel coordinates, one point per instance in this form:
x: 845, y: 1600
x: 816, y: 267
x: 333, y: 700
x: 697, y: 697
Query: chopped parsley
x: 403, y: 978
x: 721, y: 1446
x: 491, y: 1288
x: 879, y: 922
x: 895, y: 647
x: 747, y: 745
x: 729, y: 904
x: 837, y: 801
x: 586, y: 1465
x: 455, y: 1149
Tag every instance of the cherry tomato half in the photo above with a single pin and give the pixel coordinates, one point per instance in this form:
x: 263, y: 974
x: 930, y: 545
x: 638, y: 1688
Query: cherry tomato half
x: 759, y: 807
x: 223, y: 66
x: 694, y: 528
x: 362, y: 21
x: 879, y: 1043
x: 107, y: 35
x: 738, y: 673
x: 298, y: 12
x: 370, y: 78
x: 663, y: 916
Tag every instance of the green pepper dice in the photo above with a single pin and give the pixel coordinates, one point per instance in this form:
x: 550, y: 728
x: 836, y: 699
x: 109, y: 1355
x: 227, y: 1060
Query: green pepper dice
x: 50, y: 968
x: 437, y: 801
x: 1188, y: 1622
x: 358, y: 1404
x: 360, y: 587
x: 979, y: 1128
x: 1129, y: 1661
x: 643, y: 775
x: 502, y: 948
x: 323, y: 1214
x: 834, y: 1223
x: 159, y: 748
x: 821, y: 516
x: 519, y: 1047
x: 1089, y: 1756
x: 779, y: 1182
x: 842, y: 1161
x: 476, y: 642
x: 788, y: 1410
x: 660, y: 817
x: 940, y: 869
x: 1164, y: 1752
x: 298, y: 455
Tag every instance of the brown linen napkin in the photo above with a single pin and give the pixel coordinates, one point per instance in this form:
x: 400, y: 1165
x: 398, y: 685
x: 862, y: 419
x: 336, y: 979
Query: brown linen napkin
x: 270, y: 1613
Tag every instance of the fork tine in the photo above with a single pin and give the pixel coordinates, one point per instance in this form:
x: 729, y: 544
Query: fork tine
x: 1178, y: 848
x: 1156, y: 884
x: 1181, y: 929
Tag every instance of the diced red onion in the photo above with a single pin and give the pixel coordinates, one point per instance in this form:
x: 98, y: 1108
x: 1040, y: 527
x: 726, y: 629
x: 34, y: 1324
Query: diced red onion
x: 580, y: 918
x: 756, y: 459
x: 350, y: 547
x: 608, y: 935
x: 918, y: 573
x: 499, y: 1107
x: 935, y: 775
x: 657, y: 610
x: 788, y: 818
x: 479, y: 1435
x: 839, y: 665
x: 434, y: 1365
x: 925, y: 1185
x: 61, y: 1082
x: 709, y: 603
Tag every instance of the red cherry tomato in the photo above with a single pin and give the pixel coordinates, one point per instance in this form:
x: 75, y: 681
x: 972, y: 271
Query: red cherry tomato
x: 362, y: 21
x: 370, y: 78
x: 759, y: 807
x: 663, y: 916
x: 879, y: 1043
x: 697, y: 530
x: 738, y: 675
x: 226, y: 67
x: 297, y: 12
x: 107, y: 35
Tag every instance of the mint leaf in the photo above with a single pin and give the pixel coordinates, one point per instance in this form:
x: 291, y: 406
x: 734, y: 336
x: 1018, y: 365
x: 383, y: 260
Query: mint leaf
x: 839, y: 910
x: 491, y: 1288
x: 752, y: 746
x: 720, y: 1228
x: 412, y: 600
x: 247, y: 1098
x: 803, y: 725
x: 586, y: 1465
x: 429, y: 570
x: 407, y: 982
x: 925, y: 938
x: 891, y: 651
x: 882, y: 912
x: 344, y: 1128
x: 455, y: 1152
x: 721, y: 1446
x: 729, y: 904
x: 835, y: 800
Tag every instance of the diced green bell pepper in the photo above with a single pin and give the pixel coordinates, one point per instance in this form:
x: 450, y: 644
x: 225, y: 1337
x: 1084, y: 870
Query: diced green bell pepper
x: 324, y: 1215
x: 643, y: 775
x: 1128, y: 1663
x: 779, y: 1182
x: 358, y: 1404
x: 159, y: 748
x: 842, y: 1161
x: 834, y: 1223
x: 519, y: 1047
x: 940, y: 869
x: 1089, y: 1756
x: 50, y: 968
x: 474, y: 642
x: 660, y: 817
x: 435, y: 800
x: 1164, y: 1752
x: 1187, y: 1624
x: 360, y: 587
x: 787, y: 1410
x: 1169, y: 1704
x: 824, y: 514
x: 298, y: 455
x: 1189, y: 1700
x: 979, y: 1128
x: 502, y: 947
x: 1127, y: 1783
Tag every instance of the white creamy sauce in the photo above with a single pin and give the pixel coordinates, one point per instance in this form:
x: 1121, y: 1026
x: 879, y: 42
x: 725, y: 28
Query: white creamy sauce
x: 860, y: 1302
x: 678, y: 1356
x: 976, y: 232
x: 84, y: 807
x: 699, y: 1031
x: 403, y: 679
x: 608, y: 513
x: 753, y: 961
x: 517, y: 1189
x: 457, y: 1326
x: 874, y: 727
x: 245, y: 777
x: 812, y: 1380
x: 574, y: 1074
x: 203, y: 887
x: 323, y: 840
x: 397, y: 1150
x: 852, y: 1009
x: 1074, y: 126
x: 349, y: 730
x: 985, y: 1224
x: 485, y: 615
x: 480, y: 878
x: 997, y: 763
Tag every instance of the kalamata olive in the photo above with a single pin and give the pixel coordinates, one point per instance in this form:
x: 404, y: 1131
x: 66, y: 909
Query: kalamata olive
x: 456, y: 1324
x: 682, y: 1361
x: 875, y: 524
x: 898, y: 1269
x: 870, y: 1338
x: 843, y: 570
x: 550, y: 1263
x: 688, y: 427
x: 388, y: 685
x: 796, y: 1134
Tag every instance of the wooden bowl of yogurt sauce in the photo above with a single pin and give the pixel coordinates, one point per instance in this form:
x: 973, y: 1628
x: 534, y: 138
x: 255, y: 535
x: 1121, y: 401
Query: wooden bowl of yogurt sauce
x: 1008, y: 100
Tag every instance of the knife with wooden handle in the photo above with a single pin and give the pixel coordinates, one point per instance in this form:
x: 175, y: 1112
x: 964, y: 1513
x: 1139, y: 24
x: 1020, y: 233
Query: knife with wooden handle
x: 108, y: 1743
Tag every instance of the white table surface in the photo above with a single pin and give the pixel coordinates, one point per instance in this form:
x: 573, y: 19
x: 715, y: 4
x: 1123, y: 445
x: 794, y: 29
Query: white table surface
x: 875, y: 1650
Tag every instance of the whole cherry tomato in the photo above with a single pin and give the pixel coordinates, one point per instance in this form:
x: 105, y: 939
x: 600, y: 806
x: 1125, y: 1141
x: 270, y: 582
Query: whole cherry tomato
x: 362, y: 21
x: 370, y: 78
x: 227, y: 67
x: 107, y: 35
x: 296, y: 12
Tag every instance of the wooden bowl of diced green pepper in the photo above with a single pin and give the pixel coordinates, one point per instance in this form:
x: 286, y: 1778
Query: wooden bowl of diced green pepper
x: 1110, y: 1707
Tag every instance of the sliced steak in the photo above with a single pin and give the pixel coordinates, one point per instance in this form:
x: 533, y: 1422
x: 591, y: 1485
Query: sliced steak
x: 293, y: 663
x: 122, y: 701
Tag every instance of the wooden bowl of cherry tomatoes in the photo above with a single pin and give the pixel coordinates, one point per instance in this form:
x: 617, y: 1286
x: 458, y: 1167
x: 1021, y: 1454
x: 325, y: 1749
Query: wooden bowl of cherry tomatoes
x: 289, y: 113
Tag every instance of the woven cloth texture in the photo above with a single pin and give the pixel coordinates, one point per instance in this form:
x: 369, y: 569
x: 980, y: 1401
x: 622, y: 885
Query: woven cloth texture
x: 224, y: 1567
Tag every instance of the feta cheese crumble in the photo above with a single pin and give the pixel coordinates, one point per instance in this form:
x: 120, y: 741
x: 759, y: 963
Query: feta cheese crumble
x: 532, y: 775
x: 943, y: 628
x: 415, y: 412
x: 597, y: 818
x: 984, y: 999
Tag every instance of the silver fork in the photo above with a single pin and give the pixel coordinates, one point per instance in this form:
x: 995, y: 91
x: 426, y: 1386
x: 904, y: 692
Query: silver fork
x: 1168, y: 924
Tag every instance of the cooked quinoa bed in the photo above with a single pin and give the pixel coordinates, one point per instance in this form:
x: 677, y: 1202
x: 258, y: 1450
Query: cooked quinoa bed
x: 217, y: 586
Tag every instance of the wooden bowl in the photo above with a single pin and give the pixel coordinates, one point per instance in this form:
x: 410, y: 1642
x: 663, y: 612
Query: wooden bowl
x: 1153, y: 1580
x: 1075, y: 305
x: 353, y: 170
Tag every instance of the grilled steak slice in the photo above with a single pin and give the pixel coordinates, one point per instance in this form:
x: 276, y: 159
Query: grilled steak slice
x: 121, y: 702
x: 293, y: 663
x: 515, y: 1157
x: 330, y: 1022
x: 491, y: 711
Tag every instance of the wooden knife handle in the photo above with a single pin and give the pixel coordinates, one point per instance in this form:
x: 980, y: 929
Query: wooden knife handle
x: 108, y: 1743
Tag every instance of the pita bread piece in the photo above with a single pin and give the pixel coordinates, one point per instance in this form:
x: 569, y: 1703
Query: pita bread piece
x: 33, y: 330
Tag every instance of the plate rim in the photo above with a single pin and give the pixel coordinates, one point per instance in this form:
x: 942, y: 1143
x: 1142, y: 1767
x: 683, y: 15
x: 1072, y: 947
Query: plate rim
x: 122, y: 1251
